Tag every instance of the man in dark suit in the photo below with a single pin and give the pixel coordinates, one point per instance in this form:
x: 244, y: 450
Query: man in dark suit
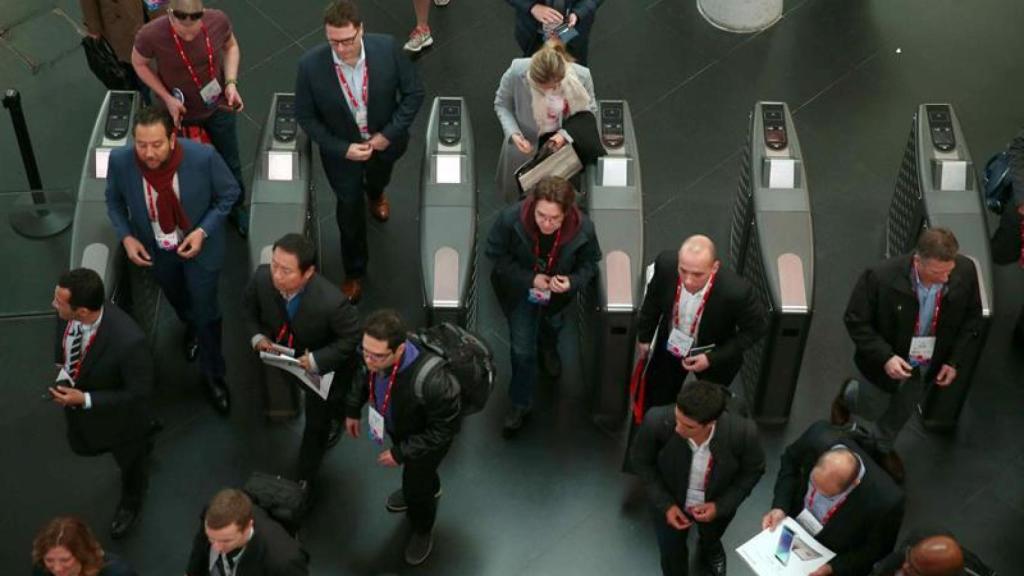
x: 167, y: 199
x: 695, y: 303
x: 935, y: 554
x: 536, y: 21
x: 104, y: 385
x: 698, y: 464
x: 1008, y: 240
x: 239, y: 539
x: 830, y: 485
x: 356, y: 97
x: 289, y: 304
x: 913, y: 320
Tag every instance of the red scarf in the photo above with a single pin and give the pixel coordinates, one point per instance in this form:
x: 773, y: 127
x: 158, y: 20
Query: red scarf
x: 169, y: 212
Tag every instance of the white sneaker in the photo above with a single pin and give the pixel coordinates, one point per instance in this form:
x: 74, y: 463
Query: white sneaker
x: 419, y: 39
x: 441, y: 2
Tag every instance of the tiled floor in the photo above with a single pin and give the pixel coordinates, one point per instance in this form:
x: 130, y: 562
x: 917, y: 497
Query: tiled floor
x: 553, y: 501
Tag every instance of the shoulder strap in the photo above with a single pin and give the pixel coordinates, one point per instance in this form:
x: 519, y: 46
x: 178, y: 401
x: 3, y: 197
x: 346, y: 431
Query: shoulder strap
x: 425, y: 368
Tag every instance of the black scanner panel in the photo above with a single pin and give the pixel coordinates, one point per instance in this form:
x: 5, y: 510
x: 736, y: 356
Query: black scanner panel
x: 940, y: 126
x: 774, y: 119
x: 285, y: 125
x: 120, y: 108
x: 613, y: 131
x: 449, y: 122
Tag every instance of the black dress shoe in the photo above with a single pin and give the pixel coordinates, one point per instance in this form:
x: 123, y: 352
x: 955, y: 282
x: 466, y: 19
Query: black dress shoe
x: 334, y: 433
x: 714, y: 563
x: 551, y: 362
x: 217, y: 393
x: 191, y: 346
x: 124, y: 519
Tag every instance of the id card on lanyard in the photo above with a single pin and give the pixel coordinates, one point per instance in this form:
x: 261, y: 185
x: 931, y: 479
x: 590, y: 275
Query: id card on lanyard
x: 359, y: 109
x: 679, y: 342
x: 807, y: 518
x: 375, y: 419
x: 211, y: 91
x: 922, y: 348
x: 536, y: 296
x: 165, y: 241
x: 696, y: 496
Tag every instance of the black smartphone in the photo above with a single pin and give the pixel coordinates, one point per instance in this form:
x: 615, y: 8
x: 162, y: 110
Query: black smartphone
x: 785, y: 545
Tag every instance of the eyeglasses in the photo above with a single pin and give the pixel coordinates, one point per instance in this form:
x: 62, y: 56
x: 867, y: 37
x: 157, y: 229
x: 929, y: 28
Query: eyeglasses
x: 350, y: 41
x: 373, y: 356
x: 179, y: 15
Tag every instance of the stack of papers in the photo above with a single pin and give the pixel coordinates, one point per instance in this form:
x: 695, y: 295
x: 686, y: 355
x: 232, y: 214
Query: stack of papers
x: 806, y: 556
x: 284, y: 358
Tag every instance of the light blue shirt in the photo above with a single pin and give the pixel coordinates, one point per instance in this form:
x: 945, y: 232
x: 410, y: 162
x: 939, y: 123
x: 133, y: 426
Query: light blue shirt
x: 354, y: 77
x: 926, y: 298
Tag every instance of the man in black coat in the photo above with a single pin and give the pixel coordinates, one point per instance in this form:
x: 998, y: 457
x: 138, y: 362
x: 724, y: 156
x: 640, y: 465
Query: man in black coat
x: 356, y: 97
x: 913, y: 319
x: 239, y: 539
x: 289, y: 304
x: 104, y: 385
x: 698, y: 464
x: 415, y: 401
x: 535, y: 20
x: 695, y: 303
x: 833, y: 488
x: 1008, y: 240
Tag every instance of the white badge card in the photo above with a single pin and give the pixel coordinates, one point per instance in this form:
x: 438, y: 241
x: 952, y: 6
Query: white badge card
x: 376, y: 422
x: 211, y: 92
x: 921, y: 349
x: 167, y: 242
x: 678, y: 343
x: 809, y: 522
x: 541, y: 297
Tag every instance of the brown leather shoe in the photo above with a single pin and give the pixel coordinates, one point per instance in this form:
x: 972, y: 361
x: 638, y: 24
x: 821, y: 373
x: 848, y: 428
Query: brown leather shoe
x: 353, y: 289
x: 380, y: 209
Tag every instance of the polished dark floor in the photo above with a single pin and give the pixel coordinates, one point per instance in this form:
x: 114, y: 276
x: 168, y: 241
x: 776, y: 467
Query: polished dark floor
x: 552, y: 501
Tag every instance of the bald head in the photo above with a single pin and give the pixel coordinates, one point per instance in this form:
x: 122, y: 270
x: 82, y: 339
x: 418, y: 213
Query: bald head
x: 935, y: 556
x: 835, y: 471
x: 186, y: 5
x: 697, y: 261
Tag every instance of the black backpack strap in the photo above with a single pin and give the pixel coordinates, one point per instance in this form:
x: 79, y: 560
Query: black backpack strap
x: 429, y: 363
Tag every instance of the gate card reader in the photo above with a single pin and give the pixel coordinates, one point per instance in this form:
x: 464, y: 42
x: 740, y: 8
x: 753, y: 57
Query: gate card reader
x: 940, y: 125
x: 449, y: 121
x: 774, y: 126
x: 285, y: 125
x: 118, y: 112
x: 613, y: 133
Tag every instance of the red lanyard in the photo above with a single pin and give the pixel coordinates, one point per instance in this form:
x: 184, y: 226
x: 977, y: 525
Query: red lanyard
x: 1021, y: 261
x: 348, y: 91
x: 831, y: 511
x: 77, y: 368
x: 935, y: 317
x: 707, y: 473
x: 387, y: 393
x: 285, y: 330
x: 700, y: 308
x: 150, y: 201
x: 551, y: 254
x: 188, y: 63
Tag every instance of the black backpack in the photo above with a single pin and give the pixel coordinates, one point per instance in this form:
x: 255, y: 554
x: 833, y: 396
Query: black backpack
x: 467, y: 358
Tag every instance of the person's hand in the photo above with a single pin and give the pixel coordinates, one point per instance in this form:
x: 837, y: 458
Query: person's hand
x: 359, y: 151
x: 675, y: 518
x: 560, y: 284
x: 233, y: 99
x: 824, y: 570
x: 946, y: 375
x: 176, y: 108
x: 522, y: 144
x: 897, y: 368
x: 192, y: 244
x: 305, y: 362
x: 92, y: 35
x: 572, y: 20
x: 643, y: 349
x: 698, y: 363
x: 557, y: 140
x: 379, y: 142
x: 546, y: 14
x: 136, y: 252
x: 772, y: 519
x: 66, y: 396
x: 352, y: 427
x: 542, y: 282
x: 386, y: 459
x: 705, y: 512
x: 264, y: 345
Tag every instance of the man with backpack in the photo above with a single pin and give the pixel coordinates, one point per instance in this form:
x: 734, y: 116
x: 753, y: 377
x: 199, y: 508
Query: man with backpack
x: 415, y: 400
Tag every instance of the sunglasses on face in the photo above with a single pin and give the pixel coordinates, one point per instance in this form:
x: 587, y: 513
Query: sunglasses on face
x: 194, y: 16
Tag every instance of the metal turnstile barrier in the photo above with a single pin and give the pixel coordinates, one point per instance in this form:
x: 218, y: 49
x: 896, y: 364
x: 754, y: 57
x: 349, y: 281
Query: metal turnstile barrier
x: 612, y: 195
x: 937, y: 186
x: 94, y: 242
x: 281, y: 203
x: 771, y: 244
x: 448, y: 215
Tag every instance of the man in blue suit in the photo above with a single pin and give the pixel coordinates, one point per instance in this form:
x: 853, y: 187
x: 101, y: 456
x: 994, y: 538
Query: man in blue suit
x: 167, y: 200
x: 356, y: 97
x: 537, y: 20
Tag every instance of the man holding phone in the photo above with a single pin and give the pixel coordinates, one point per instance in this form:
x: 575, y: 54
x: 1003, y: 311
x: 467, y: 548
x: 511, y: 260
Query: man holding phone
x: 698, y: 464
x: 568, y: 20
x: 705, y: 317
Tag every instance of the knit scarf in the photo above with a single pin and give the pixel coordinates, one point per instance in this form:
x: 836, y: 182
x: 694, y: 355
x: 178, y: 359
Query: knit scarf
x: 170, y: 214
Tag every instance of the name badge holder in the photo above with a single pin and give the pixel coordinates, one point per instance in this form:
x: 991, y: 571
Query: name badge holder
x: 211, y: 93
x: 678, y: 344
x: 921, y: 350
x: 376, y: 422
x: 374, y: 418
x: 539, y: 297
x: 807, y: 520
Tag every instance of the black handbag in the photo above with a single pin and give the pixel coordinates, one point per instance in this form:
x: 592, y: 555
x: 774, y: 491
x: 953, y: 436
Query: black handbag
x: 283, y: 499
x: 104, y: 63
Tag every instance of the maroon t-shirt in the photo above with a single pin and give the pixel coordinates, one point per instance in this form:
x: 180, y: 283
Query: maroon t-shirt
x: 155, y: 41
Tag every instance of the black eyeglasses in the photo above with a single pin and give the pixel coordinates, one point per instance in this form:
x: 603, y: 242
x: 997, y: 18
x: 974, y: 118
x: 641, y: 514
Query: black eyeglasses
x: 179, y: 15
x: 372, y: 356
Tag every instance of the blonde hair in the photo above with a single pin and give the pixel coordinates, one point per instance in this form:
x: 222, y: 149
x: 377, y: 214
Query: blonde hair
x: 549, y: 63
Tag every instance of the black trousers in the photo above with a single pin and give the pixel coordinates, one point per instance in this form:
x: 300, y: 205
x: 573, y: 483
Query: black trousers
x: 131, y: 459
x: 675, y: 557
x: 319, y: 413
x: 419, y: 484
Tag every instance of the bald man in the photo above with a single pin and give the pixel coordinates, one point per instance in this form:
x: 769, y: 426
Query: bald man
x: 934, y: 554
x: 189, y: 59
x: 829, y: 485
x: 705, y: 317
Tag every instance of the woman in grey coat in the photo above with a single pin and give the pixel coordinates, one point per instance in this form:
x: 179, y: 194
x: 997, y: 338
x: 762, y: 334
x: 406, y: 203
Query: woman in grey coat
x: 535, y: 96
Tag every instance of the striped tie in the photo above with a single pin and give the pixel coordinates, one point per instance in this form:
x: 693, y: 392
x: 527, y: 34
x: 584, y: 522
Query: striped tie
x: 75, y: 350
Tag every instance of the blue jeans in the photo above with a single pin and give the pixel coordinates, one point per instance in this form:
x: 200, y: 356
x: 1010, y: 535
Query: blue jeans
x: 221, y: 126
x: 529, y: 324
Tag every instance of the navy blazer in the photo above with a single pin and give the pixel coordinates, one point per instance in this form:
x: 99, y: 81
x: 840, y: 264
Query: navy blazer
x: 396, y: 94
x: 208, y: 191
